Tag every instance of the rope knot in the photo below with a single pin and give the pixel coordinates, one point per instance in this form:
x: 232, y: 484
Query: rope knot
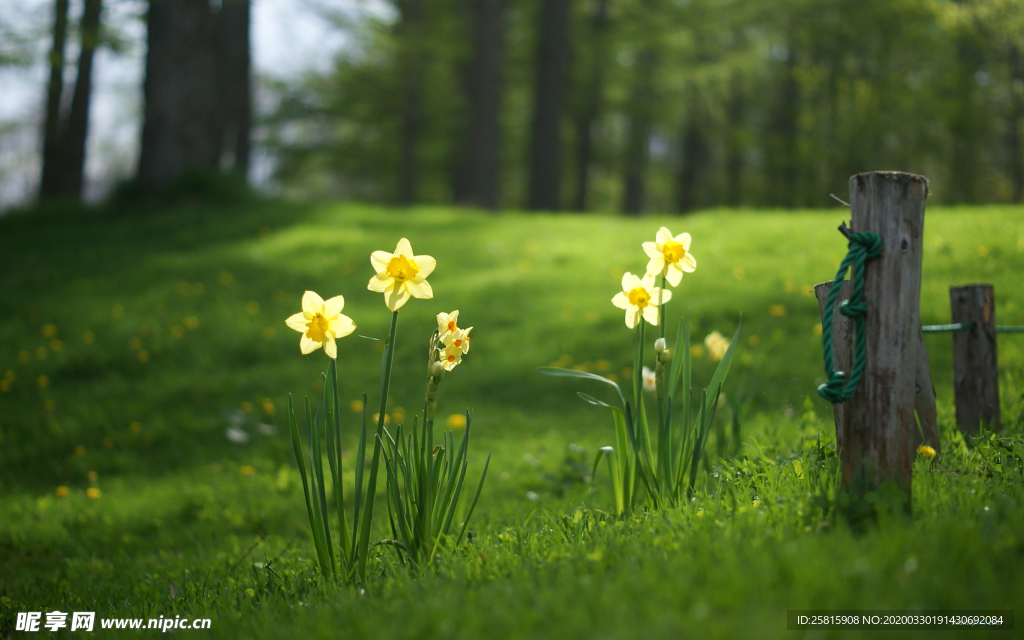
x: 869, y: 240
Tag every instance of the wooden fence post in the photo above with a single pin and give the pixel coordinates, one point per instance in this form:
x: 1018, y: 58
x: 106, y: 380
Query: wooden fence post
x: 975, y: 377
x: 879, y: 441
x: 924, y: 390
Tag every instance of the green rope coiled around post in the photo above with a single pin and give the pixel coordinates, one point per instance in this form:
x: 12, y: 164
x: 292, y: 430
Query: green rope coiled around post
x: 864, y: 246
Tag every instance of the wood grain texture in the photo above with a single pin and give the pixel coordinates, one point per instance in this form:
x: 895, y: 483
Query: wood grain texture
x: 879, y: 440
x: 975, y: 376
x: 842, y: 348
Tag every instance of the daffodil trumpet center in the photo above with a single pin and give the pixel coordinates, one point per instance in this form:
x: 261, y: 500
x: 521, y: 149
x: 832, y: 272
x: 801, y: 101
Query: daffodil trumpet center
x: 639, y: 297
x: 317, y: 327
x: 451, y: 325
x: 673, y: 251
x: 402, y: 269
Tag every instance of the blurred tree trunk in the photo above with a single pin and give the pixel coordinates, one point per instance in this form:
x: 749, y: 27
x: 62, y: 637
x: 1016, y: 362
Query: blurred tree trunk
x: 781, y: 163
x: 234, y: 70
x: 181, y: 126
x: 735, y: 110
x: 694, y: 152
x: 73, y: 142
x: 1016, y: 115
x: 54, y: 89
x: 546, y: 143
x: 412, y: 62
x: 641, y: 117
x: 477, y: 178
x: 593, y: 99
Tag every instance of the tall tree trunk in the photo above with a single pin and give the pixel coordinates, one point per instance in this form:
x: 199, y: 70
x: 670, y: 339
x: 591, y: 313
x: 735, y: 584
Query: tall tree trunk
x: 410, y: 32
x: 734, y: 145
x: 234, y: 70
x: 1013, y: 125
x: 546, y: 142
x: 54, y: 89
x: 593, y: 99
x: 639, y: 133
x: 73, y: 141
x: 181, y: 128
x: 781, y: 165
x: 477, y: 180
x: 693, y: 157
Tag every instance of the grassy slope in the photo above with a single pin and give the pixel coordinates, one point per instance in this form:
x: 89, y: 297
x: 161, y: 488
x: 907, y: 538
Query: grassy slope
x: 176, y: 510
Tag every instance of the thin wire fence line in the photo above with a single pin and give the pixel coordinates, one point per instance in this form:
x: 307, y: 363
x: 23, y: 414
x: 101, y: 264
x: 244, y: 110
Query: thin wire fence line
x: 966, y: 326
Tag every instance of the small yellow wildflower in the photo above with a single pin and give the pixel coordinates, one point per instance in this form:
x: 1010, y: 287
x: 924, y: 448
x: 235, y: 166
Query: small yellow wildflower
x: 717, y: 345
x: 457, y: 421
x: 356, y: 406
x: 320, y: 322
x: 93, y: 493
x: 62, y: 492
x: 398, y: 413
x: 777, y: 310
x: 246, y: 470
x: 926, y: 451
x: 49, y: 330
x: 696, y: 350
x: 670, y: 256
x: 401, y: 275
x: 639, y: 297
x: 268, y: 407
x: 43, y: 381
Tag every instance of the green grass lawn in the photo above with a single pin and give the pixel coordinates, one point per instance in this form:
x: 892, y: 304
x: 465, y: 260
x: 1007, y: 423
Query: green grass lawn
x: 130, y: 339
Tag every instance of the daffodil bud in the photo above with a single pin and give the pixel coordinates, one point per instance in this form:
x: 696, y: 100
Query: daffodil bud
x: 665, y: 356
x: 437, y: 370
x: 659, y: 345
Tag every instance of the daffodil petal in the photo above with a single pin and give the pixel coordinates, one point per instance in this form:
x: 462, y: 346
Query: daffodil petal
x: 651, y: 250
x: 425, y: 264
x: 330, y: 347
x: 333, y: 306
x: 663, y: 235
x: 660, y: 296
x: 620, y: 300
x: 308, y: 346
x: 298, y: 322
x: 632, y: 317
x: 404, y: 248
x: 656, y: 265
x: 395, y: 297
x: 380, y: 282
x: 419, y: 288
x: 689, y: 263
x: 312, y: 302
x: 684, y: 239
x: 647, y: 282
x: 674, y: 275
x: 380, y: 260
x: 651, y: 314
x: 342, y: 326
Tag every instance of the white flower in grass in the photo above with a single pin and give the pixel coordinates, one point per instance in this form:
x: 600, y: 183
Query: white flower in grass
x: 639, y: 297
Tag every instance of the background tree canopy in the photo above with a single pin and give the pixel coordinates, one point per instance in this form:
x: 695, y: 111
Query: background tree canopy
x: 660, y: 104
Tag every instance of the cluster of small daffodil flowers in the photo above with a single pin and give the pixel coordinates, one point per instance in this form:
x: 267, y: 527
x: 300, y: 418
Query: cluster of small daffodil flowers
x: 399, y: 275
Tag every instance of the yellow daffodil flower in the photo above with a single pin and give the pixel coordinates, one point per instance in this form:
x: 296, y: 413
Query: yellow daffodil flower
x: 670, y: 256
x: 450, y: 357
x: 447, y: 323
x: 639, y: 297
x: 458, y: 339
x: 321, y: 322
x: 401, y: 275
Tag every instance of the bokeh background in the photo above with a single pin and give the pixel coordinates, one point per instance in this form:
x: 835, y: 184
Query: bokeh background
x: 609, y: 105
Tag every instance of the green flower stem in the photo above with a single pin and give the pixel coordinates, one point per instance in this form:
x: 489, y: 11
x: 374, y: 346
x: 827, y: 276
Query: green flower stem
x: 371, y: 487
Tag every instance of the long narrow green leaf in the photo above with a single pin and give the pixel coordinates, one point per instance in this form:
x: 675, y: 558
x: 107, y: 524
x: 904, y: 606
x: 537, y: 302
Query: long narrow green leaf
x: 339, y: 476
x: 472, y: 505
x: 572, y: 373
x: 326, y: 565
x: 723, y: 367
x: 318, y: 466
x: 300, y: 459
x: 358, y: 497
